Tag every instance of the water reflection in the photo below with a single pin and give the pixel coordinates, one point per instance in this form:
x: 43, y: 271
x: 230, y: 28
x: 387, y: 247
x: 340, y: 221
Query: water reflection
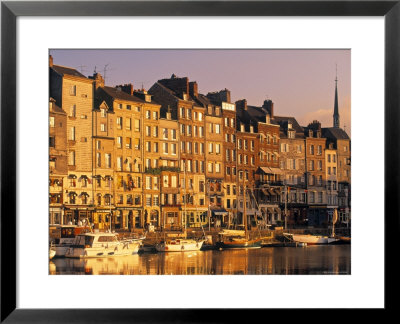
x: 309, y: 260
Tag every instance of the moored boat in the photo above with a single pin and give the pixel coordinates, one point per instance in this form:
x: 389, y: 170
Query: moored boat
x: 179, y: 245
x: 67, y: 238
x: 95, y: 245
x: 311, y: 239
x: 52, y: 253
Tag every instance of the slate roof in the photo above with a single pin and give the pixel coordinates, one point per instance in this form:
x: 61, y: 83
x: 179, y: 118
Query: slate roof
x: 63, y: 70
x: 119, y: 94
x: 334, y: 133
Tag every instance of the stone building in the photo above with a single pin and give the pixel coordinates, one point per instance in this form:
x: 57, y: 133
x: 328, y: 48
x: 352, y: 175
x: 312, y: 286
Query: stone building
x: 269, y: 185
x: 315, y: 174
x: 169, y: 160
x: 180, y: 97
x: 73, y: 92
x: 58, y: 169
x: 222, y: 99
x: 292, y: 164
x: 247, y: 150
x: 341, y: 143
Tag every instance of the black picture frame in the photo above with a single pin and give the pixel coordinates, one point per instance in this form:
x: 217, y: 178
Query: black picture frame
x: 10, y: 10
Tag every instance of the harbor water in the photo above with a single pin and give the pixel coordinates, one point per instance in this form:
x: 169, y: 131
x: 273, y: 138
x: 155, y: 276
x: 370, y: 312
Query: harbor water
x: 313, y: 260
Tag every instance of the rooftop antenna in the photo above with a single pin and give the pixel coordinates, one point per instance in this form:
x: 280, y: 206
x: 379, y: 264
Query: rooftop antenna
x: 95, y: 69
x: 81, y: 68
x: 105, y: 70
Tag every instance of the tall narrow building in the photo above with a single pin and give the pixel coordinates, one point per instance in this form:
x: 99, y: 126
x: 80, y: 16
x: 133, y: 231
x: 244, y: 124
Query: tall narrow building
x: 336, y: 119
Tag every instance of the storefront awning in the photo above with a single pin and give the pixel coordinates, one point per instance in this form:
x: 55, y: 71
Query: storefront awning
x: 84, y: 194
x: 72, y: 176
x: 219, y: 212
x: 276, y: 170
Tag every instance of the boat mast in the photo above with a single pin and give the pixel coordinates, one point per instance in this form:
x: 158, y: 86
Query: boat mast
x: 244, y: 208
x: 184, y: 179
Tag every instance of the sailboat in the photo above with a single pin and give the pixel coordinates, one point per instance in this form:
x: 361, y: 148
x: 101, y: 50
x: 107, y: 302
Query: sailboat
x: 241, y: 240
x: 177, y: 244
x: 310, y: 239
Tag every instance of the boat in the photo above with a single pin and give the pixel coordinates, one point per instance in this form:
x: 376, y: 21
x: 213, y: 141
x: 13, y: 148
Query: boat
x: 52, y: 253
x: 67, y: 237
x: 311, y: 239
x: 238, y: 239
x: 95, y: 245
x: 180, y: 244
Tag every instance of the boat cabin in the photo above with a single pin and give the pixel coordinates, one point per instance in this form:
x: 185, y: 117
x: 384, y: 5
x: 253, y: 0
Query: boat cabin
x: 91, y: 239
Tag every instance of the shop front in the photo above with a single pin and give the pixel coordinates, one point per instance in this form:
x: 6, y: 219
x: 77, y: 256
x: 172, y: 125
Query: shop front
x: 195, y: 217
x: 78, y: 215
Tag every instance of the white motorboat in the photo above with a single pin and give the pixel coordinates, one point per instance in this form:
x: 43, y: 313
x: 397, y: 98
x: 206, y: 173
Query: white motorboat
x: 96, y: 245
x: 179, y: 245
x: 311, y: 239
x: 67, y: 238
x: 52, y: 253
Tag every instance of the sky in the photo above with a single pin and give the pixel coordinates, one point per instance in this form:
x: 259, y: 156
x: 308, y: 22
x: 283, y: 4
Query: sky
x: 301, y: 83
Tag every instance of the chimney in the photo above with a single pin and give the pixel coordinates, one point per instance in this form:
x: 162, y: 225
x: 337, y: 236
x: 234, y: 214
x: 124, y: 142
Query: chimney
x: 269, y: 106
x: 98, y: 80
x: 127, y: 88
x: 193, y: 89
x: 142, y: 94
x: 50, y: 61
x: 241, y: 104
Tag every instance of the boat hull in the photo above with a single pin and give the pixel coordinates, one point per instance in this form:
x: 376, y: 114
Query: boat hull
x: 126, y: 248
x: 239, y: 244
x: 179, y: 246
x: 313, y: 239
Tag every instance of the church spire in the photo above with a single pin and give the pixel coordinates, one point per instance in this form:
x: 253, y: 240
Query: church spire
x: 336, y: 120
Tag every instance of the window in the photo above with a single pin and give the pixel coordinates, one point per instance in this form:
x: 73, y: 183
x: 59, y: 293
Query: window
x: 52, y: 141
x: 108, y: 160
x: 128, y: 107
x: 217, y: 167
x: 72, y: 134
x: 128, y: 123
x: 71, y: 158
x: 189, y: 114
x: 72, y: 90
x: 329, y: 170
x: 119, y: 163
x: 103, y: 127
x: 155, y: 115
x: 210, y: 167
x: 173, y: 149
x: 128, y: 143
x: 148, y: 182
x: 148, y: 146
x: 98, y: 159
x: 119, y: 106
x: 51, y: 121
x: 155, y: 147
x: 119, y: 142
x: 148, y: 131
x: 155, y: 131
x: 319, y: 165
x: 137, y: 125
x: 119, y: 122
x: 252, y: 145
x: 72, y: 111
x: 173, y: 133
x: 319, y: 150
x: 148, y: 114
x: 329, y: 158
x: 200, y: 116
x: 210, y: 148
x: 137, y: 144
x: 218, y: 148
x: 311, y: 165
x: 103, y: 112
x: 311, y: 149
x: 299, y: 149
x: 165, y: 133
x: 218, y: 129
x: 182, y: 112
